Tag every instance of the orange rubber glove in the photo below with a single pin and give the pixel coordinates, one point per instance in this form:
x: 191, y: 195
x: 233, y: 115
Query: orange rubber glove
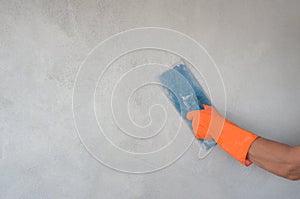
x: 209, y: 124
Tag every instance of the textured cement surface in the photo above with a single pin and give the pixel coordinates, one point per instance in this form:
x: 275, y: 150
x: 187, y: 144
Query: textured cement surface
x: 256, y: 45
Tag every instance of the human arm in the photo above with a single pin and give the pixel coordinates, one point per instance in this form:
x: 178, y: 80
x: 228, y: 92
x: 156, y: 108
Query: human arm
x: 280, y: 159
x: 246, y: 147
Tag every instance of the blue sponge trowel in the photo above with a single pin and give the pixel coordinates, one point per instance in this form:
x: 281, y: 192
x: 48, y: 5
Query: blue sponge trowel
x: 186, y: 94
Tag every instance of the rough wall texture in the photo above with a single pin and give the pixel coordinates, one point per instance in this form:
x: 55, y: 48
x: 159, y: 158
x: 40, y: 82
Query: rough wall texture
x: 256, y: 45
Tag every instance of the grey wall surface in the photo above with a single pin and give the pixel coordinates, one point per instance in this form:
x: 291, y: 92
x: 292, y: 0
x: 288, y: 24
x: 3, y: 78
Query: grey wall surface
x: 255, y: 44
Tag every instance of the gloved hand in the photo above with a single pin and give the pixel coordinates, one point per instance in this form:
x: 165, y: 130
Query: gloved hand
x: 209, y: 124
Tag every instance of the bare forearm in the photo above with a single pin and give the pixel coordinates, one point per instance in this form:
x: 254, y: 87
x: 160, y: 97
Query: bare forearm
x: 280, y: 159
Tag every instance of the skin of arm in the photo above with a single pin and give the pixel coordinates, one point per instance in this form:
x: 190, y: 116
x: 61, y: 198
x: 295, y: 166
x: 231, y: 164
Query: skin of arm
x: 280, y: 159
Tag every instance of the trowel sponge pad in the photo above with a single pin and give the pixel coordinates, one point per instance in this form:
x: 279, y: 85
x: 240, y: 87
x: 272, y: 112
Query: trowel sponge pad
x: 185, y: 92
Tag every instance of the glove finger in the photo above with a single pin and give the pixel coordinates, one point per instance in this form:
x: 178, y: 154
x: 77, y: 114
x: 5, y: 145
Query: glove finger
x: 206, y: 107
x: 191, y: 115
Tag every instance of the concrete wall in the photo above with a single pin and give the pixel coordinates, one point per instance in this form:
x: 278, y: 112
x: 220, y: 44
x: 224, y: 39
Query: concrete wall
x: 255, y: 44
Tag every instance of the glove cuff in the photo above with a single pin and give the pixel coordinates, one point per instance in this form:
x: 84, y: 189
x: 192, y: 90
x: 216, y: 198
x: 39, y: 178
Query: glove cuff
x: 236, y: 141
